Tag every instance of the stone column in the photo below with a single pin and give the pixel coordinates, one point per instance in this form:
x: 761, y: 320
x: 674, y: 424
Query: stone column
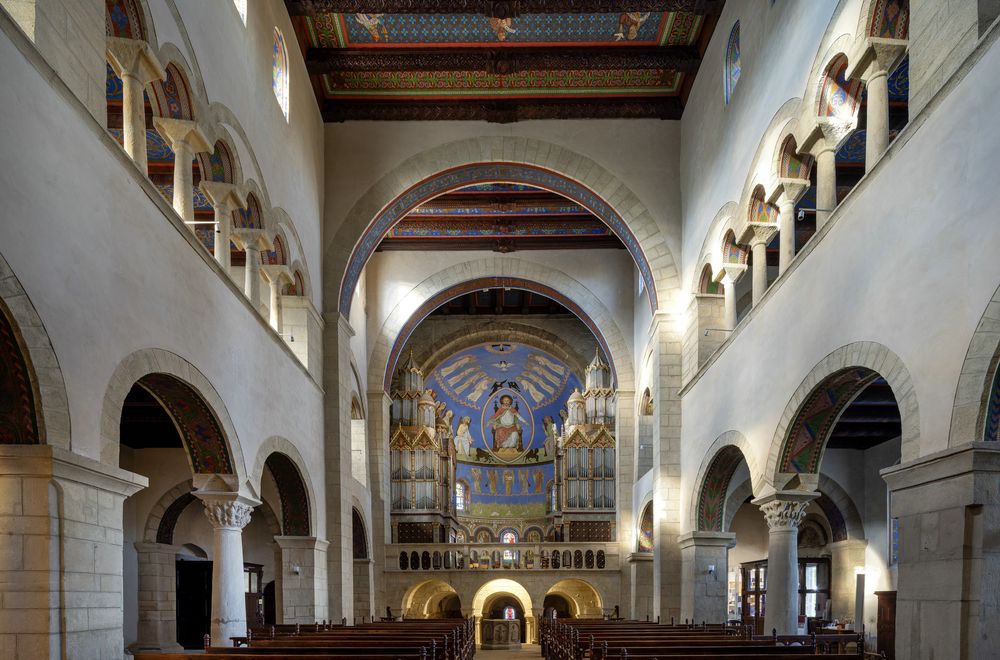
x: 948, y: 510
x: 133, y: 61
x: 729, y: 273
x: 251, y: 241
x: 883, y: 53
x: 277, y: 277
x: 762, y: 235
x: 783, y: 511
x: 61, y: 553
x: 303, y: 579
x: 377, y: 426
x: 157, y: 629
x: 826, y: 183
x: 789, y: 194
x: 705, y: 575
x: 185, y: 139
x: 228, y: 513
x: 225, y: 198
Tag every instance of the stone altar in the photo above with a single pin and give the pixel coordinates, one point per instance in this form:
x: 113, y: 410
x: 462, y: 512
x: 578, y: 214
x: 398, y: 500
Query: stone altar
x: 501, y: 634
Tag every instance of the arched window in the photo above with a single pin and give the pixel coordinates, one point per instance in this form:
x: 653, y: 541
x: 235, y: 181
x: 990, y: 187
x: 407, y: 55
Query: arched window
x: 459, y: 496
x: 508, y: 536
x: 509, y: 613
x: 733, y: 67
x: 993, y: 411
x: 279, y: 72
x: 241, y: 9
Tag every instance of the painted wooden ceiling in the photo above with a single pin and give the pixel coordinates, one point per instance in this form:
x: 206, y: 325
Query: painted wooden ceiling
x: 502, y: 61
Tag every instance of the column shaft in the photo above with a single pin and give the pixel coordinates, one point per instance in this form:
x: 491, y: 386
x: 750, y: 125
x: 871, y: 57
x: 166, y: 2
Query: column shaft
x: 786, y: 233
x: 877, y: 136
x: 251, y: 275
x: 729, y: 288
x: 782, y: 581
x: 229, y: 614
x: 826, y: 185
x: 275, y: 305
x: 134, y: 120
x: 183, y: 192
x: 759, y: 252
x: 223, y: 227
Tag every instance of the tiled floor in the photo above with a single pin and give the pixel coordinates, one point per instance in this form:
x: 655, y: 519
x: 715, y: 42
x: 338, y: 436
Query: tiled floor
x: 527, y: 651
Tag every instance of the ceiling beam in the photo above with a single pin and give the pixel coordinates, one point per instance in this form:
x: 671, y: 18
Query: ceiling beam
x: 498, y: 8
x: 503, y: 60
x: 501, y: 112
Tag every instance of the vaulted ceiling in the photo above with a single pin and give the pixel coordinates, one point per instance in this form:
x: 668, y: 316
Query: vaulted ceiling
x: 502, y: 61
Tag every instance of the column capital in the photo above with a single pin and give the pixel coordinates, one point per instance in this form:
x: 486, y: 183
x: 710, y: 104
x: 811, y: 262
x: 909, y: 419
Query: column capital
x: 784, y: 510
x: 834, y: 131
x: 227, y: 510
x: 790, y: 190
x: 877, y: 56
x: 703, y: 539
x: 226, y: 196
x: 254, y: 239
x: 277, y: 274
x: 177, y: 131
x: 731, y: 272
x: 134, y: 58
x: 763, y: 232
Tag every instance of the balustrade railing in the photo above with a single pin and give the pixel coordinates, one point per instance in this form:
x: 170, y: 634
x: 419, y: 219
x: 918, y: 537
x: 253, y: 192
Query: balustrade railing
x: 501, y: 556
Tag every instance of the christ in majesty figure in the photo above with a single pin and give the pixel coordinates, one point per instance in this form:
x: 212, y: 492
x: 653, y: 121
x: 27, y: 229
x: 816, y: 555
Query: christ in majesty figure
x: 506, y: 425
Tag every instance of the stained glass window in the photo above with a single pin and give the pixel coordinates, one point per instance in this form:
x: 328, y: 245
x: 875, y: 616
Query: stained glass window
x: 279, y: 72
x: 733, y: 67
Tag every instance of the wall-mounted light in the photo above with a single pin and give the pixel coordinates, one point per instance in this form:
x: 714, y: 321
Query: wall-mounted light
x: 801, y: 215
x: 291, y: 338
x: 708, y: 330
x: 296, y: 569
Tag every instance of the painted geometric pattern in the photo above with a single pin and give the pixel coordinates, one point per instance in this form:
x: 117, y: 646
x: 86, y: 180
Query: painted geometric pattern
x: 839, y: 96
x: 809, y: 431
x: 646, y: 529
x: 275, y: 257
x: 472, y: 174
x: 157, y: 149
x: 292, y: 492
x: 123, y: 19
x: 993, y: 411
x: 18, y: 424
x: 890, y: 19
x: 731, y: 75
x: 853, y: 149
x: 899, y: 81
x: 402, y: 30
x: 218, y: 165
x: 203, y: 437
x: 249, y: 217
x: 173, y: 98
x: 712, y: 500
x: 733, y: 252
x: 200, y: 201
x: 165, y: 531
x: 794, y: 165
x: 569, y: 209
x: 453, y: 228
x: 833, y: 516
x: 633, y: 82
x: 113, y: 86
x: 761, y: 211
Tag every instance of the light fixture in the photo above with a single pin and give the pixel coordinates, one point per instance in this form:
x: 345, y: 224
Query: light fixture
x: 708, y: 330
x: 291, y: 337
x: 296, y: 569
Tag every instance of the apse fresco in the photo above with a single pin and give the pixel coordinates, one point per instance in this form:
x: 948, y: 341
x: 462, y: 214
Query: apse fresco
x: 509, y: 403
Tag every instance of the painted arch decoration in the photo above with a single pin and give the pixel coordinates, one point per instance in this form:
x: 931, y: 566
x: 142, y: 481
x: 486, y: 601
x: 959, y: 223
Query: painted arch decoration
x: 461, y: 177
x: 808, y: 432
x: 292, y: 493
x: 992, y: 429
x: 201, y: 432
x: 760, y: 211
x: 712, y: 497
x: 839, y: 97
x: 123, y: 18
x: 19, y: 404
x: 890, y: 19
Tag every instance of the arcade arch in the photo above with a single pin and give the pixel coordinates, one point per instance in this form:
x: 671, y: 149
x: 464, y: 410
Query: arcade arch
x: 583, y: 598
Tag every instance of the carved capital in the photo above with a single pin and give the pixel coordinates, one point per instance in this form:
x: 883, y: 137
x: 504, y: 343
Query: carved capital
x: 224, y: 196
x: 731, y: 272
x: 763, y: 233
x: 835, y: 130
x: 277, y: 274
x: 134, y: 58
x: 251, y: 239
x: 785, y: 511
x: 227, y: 515
x: 790, y: 191
x: 177, y: 131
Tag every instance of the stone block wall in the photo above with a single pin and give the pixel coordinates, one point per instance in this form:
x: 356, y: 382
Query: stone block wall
x: 706, y: 312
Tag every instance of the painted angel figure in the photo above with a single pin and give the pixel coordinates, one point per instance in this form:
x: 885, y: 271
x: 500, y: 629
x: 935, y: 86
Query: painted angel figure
x: 506, y: 425
x: 629, y: 24
x: 373, y: 23
x: 463, y: 438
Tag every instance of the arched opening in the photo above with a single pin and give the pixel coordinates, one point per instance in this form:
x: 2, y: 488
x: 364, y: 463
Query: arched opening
x: 359, y: 442
x: 433, y: 599
x: 583, y: 599
x: 279, y: 72
x: 733, y: 65
x: 20, y: 403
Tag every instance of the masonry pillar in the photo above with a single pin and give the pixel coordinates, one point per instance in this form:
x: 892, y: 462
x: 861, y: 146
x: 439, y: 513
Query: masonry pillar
x: 225, y: 198
x: 186, y: 139
x: 729, y: 273
x: 948, y: 507
x: 251, y: 241
x: 846, y: 557
x: 705, y: 575
x: 277, y: 277
x: 666, y: 369
x: 627, y: 443
x: 783, y: 511
x: 157, y: 630
x: 762, y: 235
x: 337, y: 380
x: 229, y: 513
x: 789, y: 194
x: 61, y: 553
x: 640, y: 566
x: 883, y: 54
x: 303, y: 579
x: 133, y: 61
x: 377, y: 425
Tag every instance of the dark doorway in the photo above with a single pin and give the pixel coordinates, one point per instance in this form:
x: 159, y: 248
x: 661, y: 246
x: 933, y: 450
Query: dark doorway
x: 194, y: 603
x: 559, y: 605
x: 270, y: 616
x: 495, y: 610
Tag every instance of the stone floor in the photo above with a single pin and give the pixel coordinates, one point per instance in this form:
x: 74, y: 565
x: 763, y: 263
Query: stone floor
x: 527, y: 651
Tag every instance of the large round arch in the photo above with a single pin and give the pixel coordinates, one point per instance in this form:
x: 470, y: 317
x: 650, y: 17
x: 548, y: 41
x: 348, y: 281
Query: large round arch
x: 498, y: 271
x: 291, y: 476
x: 499, y: 159
x: 801, y: 436
x: 584, y: 599
x: 193, y: 404
x: 423, y: 600
x: 976, y: 411
x: 708, y: 509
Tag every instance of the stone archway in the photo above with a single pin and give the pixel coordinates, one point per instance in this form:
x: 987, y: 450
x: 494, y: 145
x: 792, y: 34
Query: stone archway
x: 508, y: 159
x: 708, y: 509
x: 504, y: 587
x: 800, y: 438
x: 584, y: 599
x: 977, y: 396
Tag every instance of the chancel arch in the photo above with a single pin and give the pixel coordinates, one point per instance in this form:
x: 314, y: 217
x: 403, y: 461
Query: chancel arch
x: 508, y: 159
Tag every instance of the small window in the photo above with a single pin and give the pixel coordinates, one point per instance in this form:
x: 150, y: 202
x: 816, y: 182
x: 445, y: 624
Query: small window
x: 509, y: 613
x: 459, y: 497
x: 279, y: 72
x: 733, y: 67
